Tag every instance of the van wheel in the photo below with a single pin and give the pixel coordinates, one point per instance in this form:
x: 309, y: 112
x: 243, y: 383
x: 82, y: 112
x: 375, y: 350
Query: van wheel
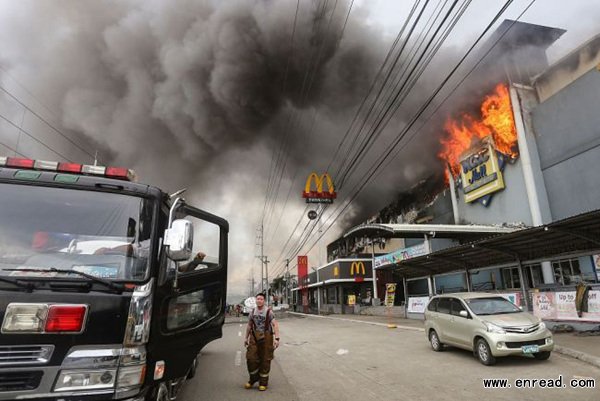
x: 484, y: 353
x: 542, y: 356
x: 436, y: 344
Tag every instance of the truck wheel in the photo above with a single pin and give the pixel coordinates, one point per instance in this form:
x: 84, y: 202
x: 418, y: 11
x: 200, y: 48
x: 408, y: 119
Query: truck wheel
x: 192, y: 371
x: 435, y: 342
x: 163, y: 393
x: 542, y: 356
x: 484, y: 353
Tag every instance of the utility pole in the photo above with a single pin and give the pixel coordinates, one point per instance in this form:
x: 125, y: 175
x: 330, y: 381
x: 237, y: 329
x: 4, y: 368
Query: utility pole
x: 266, y: 263
x: 287, y: 281
x: 261, y: 256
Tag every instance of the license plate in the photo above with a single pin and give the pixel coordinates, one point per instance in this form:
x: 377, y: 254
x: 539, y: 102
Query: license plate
x: 530, y: 349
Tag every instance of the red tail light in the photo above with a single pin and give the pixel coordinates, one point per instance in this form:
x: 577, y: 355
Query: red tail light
x: 18, y: 162
x: 119, y: 172
x: 65, y: 318
x: 69, y: 167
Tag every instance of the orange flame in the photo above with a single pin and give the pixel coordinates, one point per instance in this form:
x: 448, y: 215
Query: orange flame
x: 496, y: 120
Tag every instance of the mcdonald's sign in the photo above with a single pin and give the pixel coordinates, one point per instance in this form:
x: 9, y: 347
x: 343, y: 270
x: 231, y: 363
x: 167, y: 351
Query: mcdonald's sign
x: 357, y: 269
x: 318, y: 195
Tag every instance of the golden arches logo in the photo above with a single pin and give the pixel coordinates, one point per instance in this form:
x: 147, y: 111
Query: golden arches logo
x: 359, y: 266
x: 319, y: 193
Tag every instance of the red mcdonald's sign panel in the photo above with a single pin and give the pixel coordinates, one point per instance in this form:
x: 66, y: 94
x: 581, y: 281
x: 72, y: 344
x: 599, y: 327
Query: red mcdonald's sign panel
x: 302, y: 270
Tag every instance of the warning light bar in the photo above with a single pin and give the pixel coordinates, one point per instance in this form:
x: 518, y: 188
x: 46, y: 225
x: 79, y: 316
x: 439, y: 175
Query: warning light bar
x: 119, y: 173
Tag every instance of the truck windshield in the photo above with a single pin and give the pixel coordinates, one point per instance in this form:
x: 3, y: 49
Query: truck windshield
x: 103, y: 234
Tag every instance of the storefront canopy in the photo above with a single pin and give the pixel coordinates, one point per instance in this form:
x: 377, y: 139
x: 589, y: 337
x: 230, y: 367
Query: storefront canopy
x: 575, y: 235
x: 455, y: 231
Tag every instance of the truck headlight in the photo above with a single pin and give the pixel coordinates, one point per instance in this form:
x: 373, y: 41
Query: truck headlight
x: 137, y: 331
x: 542, y: 326
x: 70, y: 380
x: 494, y: 328
x: 102, y: 368
x: 131, y: 376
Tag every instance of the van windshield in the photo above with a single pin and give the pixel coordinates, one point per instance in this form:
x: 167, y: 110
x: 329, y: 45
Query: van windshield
x: 491, y: 306
x: 105, y: 235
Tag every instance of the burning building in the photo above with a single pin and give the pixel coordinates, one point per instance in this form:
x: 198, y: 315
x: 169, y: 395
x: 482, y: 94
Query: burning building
x: 517, y: 152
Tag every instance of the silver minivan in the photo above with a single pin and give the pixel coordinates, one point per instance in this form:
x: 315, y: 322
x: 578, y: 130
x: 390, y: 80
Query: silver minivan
x: 487, y: 324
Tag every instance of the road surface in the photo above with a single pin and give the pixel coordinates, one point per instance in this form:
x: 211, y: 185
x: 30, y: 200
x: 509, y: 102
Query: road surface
x: 324, y: 359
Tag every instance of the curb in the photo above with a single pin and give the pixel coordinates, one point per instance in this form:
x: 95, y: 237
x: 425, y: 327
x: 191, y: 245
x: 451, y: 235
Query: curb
x: 582, y: 356
x: 410, y: 328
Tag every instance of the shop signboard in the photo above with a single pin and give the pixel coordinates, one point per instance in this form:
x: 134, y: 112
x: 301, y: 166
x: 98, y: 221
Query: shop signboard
x: 544, y: 305
x: 390, y: 294
x: 358, y: 270
x: 561, y: 305
x: 351, y: 300
x: 417, y: 304
x: 481, y: 173
x: 319, y: 194
x: 402, y: 254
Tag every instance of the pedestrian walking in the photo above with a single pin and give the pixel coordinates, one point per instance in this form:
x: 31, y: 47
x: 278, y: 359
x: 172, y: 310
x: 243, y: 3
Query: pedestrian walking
x: 261, y: 340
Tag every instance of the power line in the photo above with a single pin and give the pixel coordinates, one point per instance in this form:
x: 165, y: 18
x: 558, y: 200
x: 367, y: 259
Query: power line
x: 303, y: 239
x: 55, y: 129
x: 395, y: 102
x: 32, y: 137
x: 304, y: 91
x: 428, y: 102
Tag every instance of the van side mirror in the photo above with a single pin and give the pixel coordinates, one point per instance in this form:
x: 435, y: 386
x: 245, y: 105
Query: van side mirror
x: 179, y: 240
x: 463, y: 313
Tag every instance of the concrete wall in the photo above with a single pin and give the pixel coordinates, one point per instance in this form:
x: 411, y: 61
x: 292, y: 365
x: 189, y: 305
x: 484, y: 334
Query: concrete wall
x: 567, y: 127
x: 394, y: 311
x: 562, y: 73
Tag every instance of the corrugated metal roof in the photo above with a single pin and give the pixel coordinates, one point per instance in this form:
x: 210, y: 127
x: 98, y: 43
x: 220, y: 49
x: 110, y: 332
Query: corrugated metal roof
x: 574, y: 235
x: 419, y: 230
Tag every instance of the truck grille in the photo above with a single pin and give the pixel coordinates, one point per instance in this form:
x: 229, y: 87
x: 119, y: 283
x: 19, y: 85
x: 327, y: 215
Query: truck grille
x: 519, y: 344
x: 19, y: 381
x: 25, y: 354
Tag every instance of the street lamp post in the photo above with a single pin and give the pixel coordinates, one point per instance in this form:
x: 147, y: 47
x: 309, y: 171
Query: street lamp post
x: 318, y: 292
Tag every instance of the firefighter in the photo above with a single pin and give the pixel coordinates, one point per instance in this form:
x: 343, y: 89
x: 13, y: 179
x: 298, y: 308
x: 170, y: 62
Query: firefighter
x: 262, y: 338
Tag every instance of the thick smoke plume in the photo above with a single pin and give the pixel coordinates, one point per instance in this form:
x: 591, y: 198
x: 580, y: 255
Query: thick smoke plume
x: 195, y: 93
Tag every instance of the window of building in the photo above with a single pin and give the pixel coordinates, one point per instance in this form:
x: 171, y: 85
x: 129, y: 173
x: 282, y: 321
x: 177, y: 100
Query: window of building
x: 534, y: 274
x: 331, y: 295
x: 567, y: 271
x: 510, y: 278
x: 418, y: 287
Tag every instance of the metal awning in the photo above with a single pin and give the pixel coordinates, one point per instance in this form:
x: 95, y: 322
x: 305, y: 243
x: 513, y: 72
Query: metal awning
x: 457, y: 231
x: 575, y: 235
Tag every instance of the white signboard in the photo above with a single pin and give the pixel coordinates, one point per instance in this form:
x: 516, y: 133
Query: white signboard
x: 417, y: 304
x: 402, y: 254
x: 561, y: 306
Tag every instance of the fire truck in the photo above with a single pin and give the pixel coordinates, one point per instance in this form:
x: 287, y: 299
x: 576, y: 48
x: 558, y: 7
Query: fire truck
x: 106, y: 289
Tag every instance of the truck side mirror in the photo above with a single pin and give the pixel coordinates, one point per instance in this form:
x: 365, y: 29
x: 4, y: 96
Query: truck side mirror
x: 179, y: 240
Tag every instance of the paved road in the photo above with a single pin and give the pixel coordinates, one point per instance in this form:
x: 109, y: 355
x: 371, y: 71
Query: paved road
x: 323, y: 359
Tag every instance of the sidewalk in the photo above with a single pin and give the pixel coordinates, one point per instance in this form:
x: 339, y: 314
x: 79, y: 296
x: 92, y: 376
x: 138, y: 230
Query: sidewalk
x: 587, y: 349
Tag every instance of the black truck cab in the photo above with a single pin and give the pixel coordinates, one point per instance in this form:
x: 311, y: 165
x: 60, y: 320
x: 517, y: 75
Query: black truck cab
x: 109, y: 288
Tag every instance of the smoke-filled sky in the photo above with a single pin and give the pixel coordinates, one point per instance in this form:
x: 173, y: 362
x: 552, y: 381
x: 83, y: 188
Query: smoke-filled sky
x: 200, y: 94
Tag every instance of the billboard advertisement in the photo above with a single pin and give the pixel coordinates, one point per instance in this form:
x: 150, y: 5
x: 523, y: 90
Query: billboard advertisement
x: 402, y: 254
x: 560, y: 305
